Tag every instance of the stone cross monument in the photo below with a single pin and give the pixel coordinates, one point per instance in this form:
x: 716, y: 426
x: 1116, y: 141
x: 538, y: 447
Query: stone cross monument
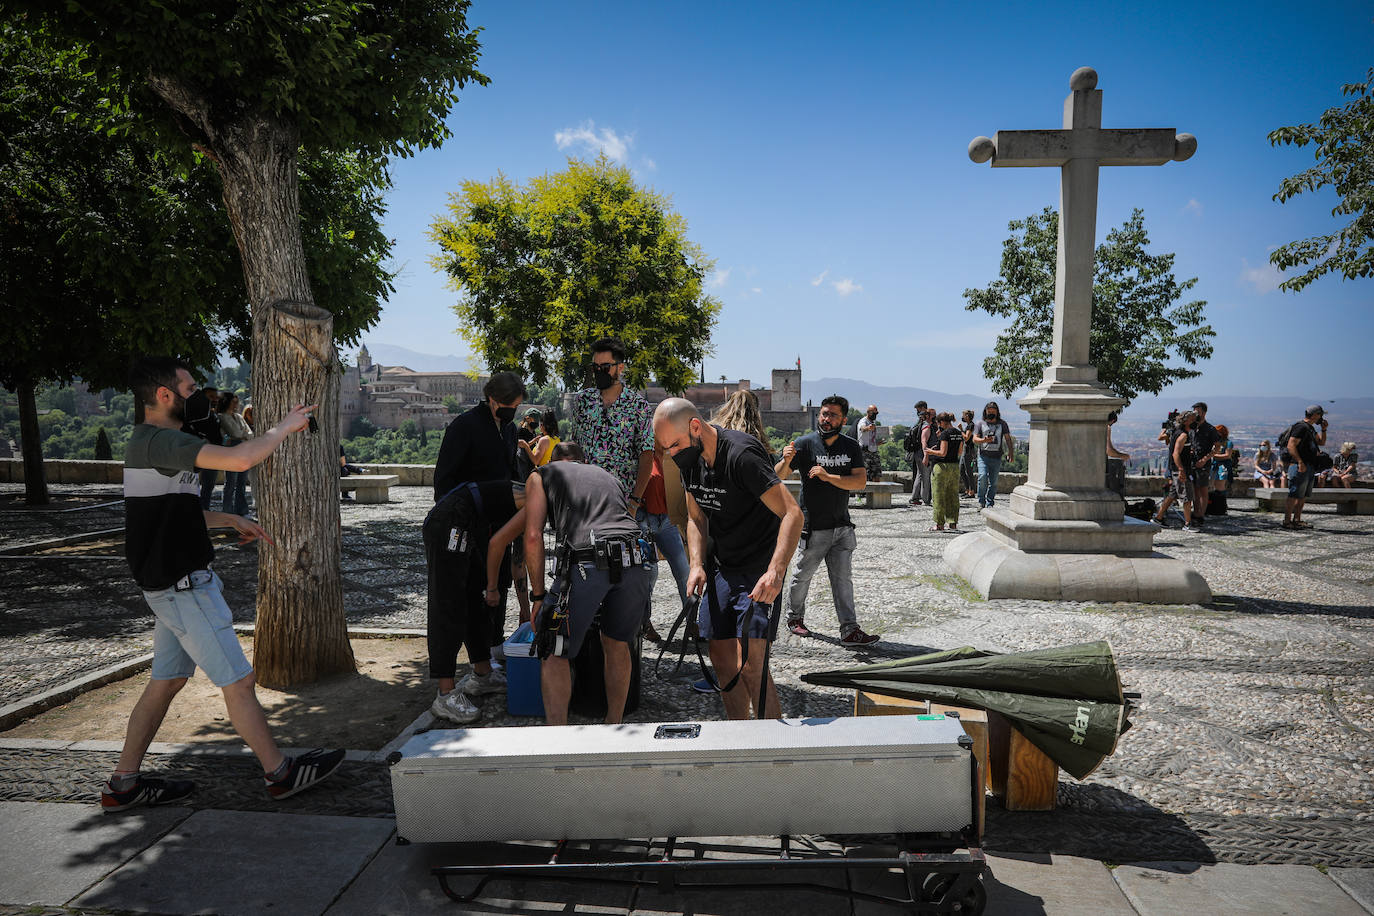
x: 1064, y: 536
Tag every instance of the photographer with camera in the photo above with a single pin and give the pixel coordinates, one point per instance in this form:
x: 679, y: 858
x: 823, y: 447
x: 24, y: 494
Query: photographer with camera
x: 1299, y: 446
x: 167, y: 543
x: 1205, y: 439
x: 603, y: 567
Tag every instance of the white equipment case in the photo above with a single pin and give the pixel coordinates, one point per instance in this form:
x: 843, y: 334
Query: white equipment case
x: 878, y: 774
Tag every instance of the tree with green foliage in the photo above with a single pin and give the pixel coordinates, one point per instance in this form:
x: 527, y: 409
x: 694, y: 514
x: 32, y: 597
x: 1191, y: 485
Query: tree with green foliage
x: 1344, y: 140
x: 544, y: 270
x: 107, y: 232
x: 250, y: 85
x: 1138, y: 324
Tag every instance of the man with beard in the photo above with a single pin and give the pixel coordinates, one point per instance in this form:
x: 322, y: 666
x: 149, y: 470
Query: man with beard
x: 614, y: 426
x: 168, y: 548
x: 742, y: 528
x: 869, y: 441
x: 831, y: 466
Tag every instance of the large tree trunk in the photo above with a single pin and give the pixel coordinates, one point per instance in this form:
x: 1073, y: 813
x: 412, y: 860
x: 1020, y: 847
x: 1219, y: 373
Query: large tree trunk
x: 301, y: 634
x: 31, y: 447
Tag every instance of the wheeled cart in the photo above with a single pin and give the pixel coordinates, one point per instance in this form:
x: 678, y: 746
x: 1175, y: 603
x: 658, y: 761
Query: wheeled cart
x: 912, y: 778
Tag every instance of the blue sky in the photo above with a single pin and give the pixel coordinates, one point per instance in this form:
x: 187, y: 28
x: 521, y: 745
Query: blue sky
x: 818, y: 154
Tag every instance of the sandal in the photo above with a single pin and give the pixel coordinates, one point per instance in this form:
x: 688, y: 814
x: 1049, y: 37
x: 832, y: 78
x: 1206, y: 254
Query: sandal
x: 1302, y: 525
x: 797, y: 628
x: 935, y: 528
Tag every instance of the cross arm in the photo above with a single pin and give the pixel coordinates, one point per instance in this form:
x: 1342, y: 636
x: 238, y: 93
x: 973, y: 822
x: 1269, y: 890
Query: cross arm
x: 1031, y: 148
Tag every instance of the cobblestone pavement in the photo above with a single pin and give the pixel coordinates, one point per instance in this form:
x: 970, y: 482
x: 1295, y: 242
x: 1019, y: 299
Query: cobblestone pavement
x: 1253, y: 737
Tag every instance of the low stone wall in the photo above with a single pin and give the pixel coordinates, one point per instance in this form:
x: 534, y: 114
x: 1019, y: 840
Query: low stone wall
x: 61, y: 471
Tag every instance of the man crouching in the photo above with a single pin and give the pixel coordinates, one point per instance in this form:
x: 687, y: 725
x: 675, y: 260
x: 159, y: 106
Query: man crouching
x: 600, y: 568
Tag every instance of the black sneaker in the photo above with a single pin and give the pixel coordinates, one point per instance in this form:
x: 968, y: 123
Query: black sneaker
x: 305, y: 771
x: 147, y: 790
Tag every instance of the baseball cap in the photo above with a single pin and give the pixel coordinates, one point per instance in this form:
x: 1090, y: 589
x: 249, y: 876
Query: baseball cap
x: 1200, y: 405
x: 1314, y: 408
x: 533, y: 412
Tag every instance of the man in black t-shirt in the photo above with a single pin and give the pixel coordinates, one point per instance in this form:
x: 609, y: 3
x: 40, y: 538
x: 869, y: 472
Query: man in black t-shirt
x: 168, y: 548
x: 1205, y: 438
x: 590, y: 515
x: 831, y: 466
x: 743, y: 525
x: 1304, y: 442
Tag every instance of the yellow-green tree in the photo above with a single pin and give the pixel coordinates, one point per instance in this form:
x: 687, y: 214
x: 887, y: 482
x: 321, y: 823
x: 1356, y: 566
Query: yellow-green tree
x: 543, y: 270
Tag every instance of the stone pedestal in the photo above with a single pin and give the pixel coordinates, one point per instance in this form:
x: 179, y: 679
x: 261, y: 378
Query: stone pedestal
x: 1065, y: 535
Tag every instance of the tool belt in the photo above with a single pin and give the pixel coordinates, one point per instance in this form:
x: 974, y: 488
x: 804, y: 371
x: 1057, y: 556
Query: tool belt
x: 613, y: 553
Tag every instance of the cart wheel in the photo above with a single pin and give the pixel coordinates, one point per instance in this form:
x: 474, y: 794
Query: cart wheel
x: 938, y: 885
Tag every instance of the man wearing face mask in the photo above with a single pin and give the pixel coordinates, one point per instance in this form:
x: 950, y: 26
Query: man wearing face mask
x: 478, y: 445
x: 831, y: 467
x: 869, y: 441
x: 991, y: 434
x: 613, y: 424
x: 742, y: 529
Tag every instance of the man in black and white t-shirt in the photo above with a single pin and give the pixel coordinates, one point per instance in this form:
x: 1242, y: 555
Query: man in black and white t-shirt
x: 169, y: 551
x: 831, y: 466
x: 743, y: 525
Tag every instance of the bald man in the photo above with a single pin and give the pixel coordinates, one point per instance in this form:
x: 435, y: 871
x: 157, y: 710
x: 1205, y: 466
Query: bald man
x: 869, y: 441
x: 742, y: 528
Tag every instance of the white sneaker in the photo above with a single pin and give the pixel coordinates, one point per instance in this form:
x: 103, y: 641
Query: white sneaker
x: 474, y: 684
x: 455, y: 707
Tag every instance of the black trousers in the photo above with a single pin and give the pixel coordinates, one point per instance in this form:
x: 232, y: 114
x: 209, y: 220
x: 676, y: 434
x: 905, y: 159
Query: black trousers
x: 457, y: 613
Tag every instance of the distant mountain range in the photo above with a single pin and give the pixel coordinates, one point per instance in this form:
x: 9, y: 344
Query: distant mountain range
x: 385, y: 354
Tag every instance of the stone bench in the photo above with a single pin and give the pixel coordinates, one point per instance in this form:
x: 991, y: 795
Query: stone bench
x: 369, y: 488
x: 876, y: 495
x: 1352, y: 501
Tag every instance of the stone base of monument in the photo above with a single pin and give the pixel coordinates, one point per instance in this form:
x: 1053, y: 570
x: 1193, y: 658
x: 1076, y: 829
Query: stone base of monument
x: 1072, y: 561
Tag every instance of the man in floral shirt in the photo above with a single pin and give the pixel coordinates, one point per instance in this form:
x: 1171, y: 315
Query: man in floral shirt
x: 613, y: 424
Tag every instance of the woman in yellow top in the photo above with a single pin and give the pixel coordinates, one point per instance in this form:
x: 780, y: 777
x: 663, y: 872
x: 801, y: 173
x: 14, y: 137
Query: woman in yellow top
x: 543, y: 446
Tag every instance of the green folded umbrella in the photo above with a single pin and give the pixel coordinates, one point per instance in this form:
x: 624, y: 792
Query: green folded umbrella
x: 1066, y: 700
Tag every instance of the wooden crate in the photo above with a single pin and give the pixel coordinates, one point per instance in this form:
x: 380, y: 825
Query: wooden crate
x: 975, y: 724
x: 1017, y: 772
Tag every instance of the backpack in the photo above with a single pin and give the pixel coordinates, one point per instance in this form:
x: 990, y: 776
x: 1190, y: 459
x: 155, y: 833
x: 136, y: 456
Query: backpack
x: 1283, y: 439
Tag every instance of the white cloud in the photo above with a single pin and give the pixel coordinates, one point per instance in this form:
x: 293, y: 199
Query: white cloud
x: 1262, y: 279
x: 650, y: 164
x: 846, y: 286
x: 719, y: 278
x: 755, y: 289
x: 821, y: 279
x: 606, y: 140
x: 1193, y: 206
x: 974, y: 337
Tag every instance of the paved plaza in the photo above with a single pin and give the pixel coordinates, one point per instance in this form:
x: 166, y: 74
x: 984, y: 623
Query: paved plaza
x: 1252, y: 745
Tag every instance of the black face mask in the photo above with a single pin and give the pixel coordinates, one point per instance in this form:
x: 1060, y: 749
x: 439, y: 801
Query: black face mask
x: 688, y: 458
x: 602, y: 379
x: 827, y: 430
x: 504, y: 414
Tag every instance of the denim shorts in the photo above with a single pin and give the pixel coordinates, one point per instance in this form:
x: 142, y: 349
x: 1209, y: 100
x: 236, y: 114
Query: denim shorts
x: 1300, y: 482
x: 734, y: 614
x: 196, y: 629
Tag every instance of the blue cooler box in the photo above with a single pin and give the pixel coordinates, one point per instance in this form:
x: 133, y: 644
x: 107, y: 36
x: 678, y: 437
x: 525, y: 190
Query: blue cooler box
x: 523, y: 695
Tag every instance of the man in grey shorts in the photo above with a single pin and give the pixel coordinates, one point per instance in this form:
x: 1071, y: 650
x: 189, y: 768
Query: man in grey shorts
x: 168, y: 547
x: 597, y: 573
